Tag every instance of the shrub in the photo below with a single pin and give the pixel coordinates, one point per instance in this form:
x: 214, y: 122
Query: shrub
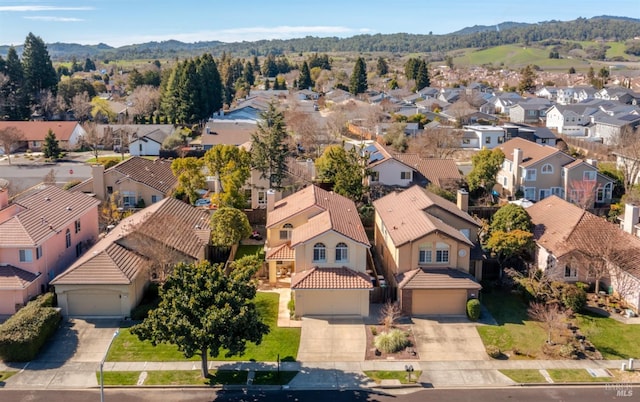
x: 493, y: 351
x: 70, y: 184
x: 292, y: 306
x: 392, y: 341
x: 574, y: 298
x: 568, y: 351
x: 473, y: 309
x: 374, y: 331
x: 22, y: 335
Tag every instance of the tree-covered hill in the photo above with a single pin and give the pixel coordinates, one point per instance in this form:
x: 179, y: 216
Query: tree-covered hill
x: 606, y: 28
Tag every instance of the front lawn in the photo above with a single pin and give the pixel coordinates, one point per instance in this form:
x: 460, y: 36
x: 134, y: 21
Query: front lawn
x: 119, y: 377
x: 402, y: 376
x: 613, y: 339
x: 575, y: 375
x: 250, y: 249
x: 6, y: 374
x: 524, y: 376
x: 193, y: 377
x: 516, y: 334
x: 279, y: 341
x: 273, y: 377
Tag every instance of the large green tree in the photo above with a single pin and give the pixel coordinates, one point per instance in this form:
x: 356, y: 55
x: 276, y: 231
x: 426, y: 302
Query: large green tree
x: 205, y: 312
x: 304, y: 81
x: 422, y: 76
x: 345, y: 169
x: 39, y: 74
x: 51, y: 147
x: 506, y: 245
x: 188, y: 171
x: 232, y: 166
x: 485, y: 166
x: 358, y: 82
x: 511, y: 217
x: 13, y: 100
x: 229, y: 226
x: 382, y: 68
x: 270, y: 147
x: 527, y: 80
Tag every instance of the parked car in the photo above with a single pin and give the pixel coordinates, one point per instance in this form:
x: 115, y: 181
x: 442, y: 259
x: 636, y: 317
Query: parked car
x: 202, y: 202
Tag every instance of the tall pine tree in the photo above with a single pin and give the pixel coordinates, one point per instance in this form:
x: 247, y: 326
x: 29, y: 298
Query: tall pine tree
x: 358, y: 83
x: 270, y: 146
x: 39, y: 73
x: 51, y: 147
x: 13, y: 101
x: 304, y: 81
x: 422, y: 76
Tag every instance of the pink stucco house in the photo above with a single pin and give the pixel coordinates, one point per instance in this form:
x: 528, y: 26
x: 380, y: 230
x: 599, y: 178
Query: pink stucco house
x: 41, y: 234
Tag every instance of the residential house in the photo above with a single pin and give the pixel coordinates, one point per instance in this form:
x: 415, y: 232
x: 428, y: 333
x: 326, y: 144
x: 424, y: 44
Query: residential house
x: 480, y: 136
x: 138, y: 181
x: 620, y: 94
x: 539, y: 171
x: 573, y: 119
x: 425, y: 245
x: 227, y: 132
x: 110, y: 279
x: 385, y: 169
x: 570, y: 239
x: 316, y: 237
x: 40, y: 235
x: 502, y: 102
x: 68, y: 133
x: 629, y: 165
x: 530, y: 111
x: 149, y: 143
x: 443, y: 173
x: 540, y: 135
x: 609, y: 128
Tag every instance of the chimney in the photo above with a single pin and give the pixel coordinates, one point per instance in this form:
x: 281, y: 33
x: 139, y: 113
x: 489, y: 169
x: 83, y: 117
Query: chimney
x: 515, y: 171
x: 631, y: 216
x: 592, y: 162
x: 271, y: 199
x: 97, y: 172
x: 462, y: 200
x: 311, y: 169
x: 4, y: 193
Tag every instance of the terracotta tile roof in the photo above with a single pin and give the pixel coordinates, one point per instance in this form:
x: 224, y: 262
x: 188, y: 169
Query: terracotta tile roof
x: 32, y: 219
x: 114, y: 265
x: 437, y: 279
x: 438, y: 171
x: 328, y: 211
x: 554, y: 219
x: 37, y: 130
x: 282, y: 252
x: 531, y: 152
x: 406, y: 215
x: 169, y: 222
x: 15, y: 278
x: 156, y: 174
x: 330, y: 278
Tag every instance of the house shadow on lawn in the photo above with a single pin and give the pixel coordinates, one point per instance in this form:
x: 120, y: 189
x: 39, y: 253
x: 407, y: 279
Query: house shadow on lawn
x: 503, y: 307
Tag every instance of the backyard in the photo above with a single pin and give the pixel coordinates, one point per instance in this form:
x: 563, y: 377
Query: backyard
x: 281, y: 342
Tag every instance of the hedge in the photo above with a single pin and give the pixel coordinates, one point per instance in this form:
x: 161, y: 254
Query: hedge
x: 473, y: 309
x: 24, y: 333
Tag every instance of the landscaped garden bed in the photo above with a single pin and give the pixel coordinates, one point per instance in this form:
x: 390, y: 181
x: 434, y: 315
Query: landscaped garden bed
x: 407, y: 353
x: 390, y: 340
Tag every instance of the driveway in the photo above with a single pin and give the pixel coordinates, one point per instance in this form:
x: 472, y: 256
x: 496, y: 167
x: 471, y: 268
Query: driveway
x: 447, y: 338
x: 70, y: 358
x: 331, y: 339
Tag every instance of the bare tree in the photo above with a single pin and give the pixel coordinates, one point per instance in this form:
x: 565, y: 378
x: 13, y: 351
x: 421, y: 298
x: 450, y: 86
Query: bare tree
x: 10, y: 137
x: 336, y: 123
x: 627, y: 144
x: 389, y: 314
x: 550, y: 315
x: 306, y: 130
x: 94, y: 139
x: 46, y: 103
x: 145, y: 99
x: 583, y: 192
x: 459, y: 111
x: 81, y: 105
x: 439, y: 142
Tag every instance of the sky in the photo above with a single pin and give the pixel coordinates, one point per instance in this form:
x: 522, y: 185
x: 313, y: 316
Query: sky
x: 125, y: 22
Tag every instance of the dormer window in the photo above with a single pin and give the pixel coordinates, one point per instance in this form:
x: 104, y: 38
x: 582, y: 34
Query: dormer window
x: 547, y: 168
x: 319, y: 252
x: 342, y: 252
x: 285, y: 232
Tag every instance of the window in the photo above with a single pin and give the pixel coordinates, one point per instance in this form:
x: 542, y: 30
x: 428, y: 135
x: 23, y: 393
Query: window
x: 319, y: 252
x: 38, y: 252
x: 465, y: 232
x: 466, y: 141
x: 154, y: 199
x: 558, y: 191
x: 26, y: 256
x: 405, y: 175
x: 530, y: 174
x: 262, y: 198
x: 544, y: 193
x: 140, y: 148
x: 589, y: 175
x: 77, y: 226
x: 547, y: 168
x: 442, y: 253
x: 285, y: 232
x: 577, y: 196
x: 109, y: 190
x: 375, y: 175
x: 424, y: 255
x: 68, y: 238
x: 128, y: 199
x: 78, y: 249
x: 500, y: 140
x: 529, y: 193
x: 341, y: 252
x: 570, y: 272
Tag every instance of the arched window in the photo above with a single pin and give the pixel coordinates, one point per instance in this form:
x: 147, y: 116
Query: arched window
x: 547, y: 168
x: 285, y: 232
x: 68, y: 238
x: 319, y: 252
x: 442, y: 253
x: 341, y: 252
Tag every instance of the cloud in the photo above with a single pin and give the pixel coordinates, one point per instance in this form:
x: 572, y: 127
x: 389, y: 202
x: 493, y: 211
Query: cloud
x: 54, y: 19
x: 42, y: 8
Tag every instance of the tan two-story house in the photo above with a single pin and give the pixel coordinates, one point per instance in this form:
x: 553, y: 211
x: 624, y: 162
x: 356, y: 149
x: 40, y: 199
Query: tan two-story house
x: 425, y: 244
x: 316, y: 237
x: 539, y: 171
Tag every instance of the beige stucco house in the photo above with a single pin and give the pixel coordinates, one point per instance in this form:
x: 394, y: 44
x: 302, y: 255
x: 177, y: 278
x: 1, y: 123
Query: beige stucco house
x: 540, y: 171
x: 138, y: 182
x: 110, y: 279
x: 425, y: 244
x: 68, y: 133
x: 41, y: 235
x: 317, y: 238
x: 569, y: 240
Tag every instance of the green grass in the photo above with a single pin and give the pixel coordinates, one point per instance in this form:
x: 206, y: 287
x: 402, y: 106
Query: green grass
x: 250, y: 249
x: 279, y: 341
x: 514, y: 332
x: 380, y: 375
x: 516, y: 56
x: 273, y: 377
x: 119, y: 377
x: 4, y: 375
x: 193, y: 377
x: 613, y: 339
x: 575, y: 375
x: 524, y: 376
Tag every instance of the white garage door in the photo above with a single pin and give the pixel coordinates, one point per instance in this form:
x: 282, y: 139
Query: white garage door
x: 331, y: 302
x: 439, y: 301
x: 94, y: 304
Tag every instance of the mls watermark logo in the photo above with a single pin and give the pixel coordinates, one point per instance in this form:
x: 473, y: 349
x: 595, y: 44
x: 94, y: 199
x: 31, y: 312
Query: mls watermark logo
x: 620, y: 389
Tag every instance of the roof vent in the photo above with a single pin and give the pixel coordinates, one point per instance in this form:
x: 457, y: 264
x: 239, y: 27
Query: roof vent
x: 68, y: 208
x: 47, y: 199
